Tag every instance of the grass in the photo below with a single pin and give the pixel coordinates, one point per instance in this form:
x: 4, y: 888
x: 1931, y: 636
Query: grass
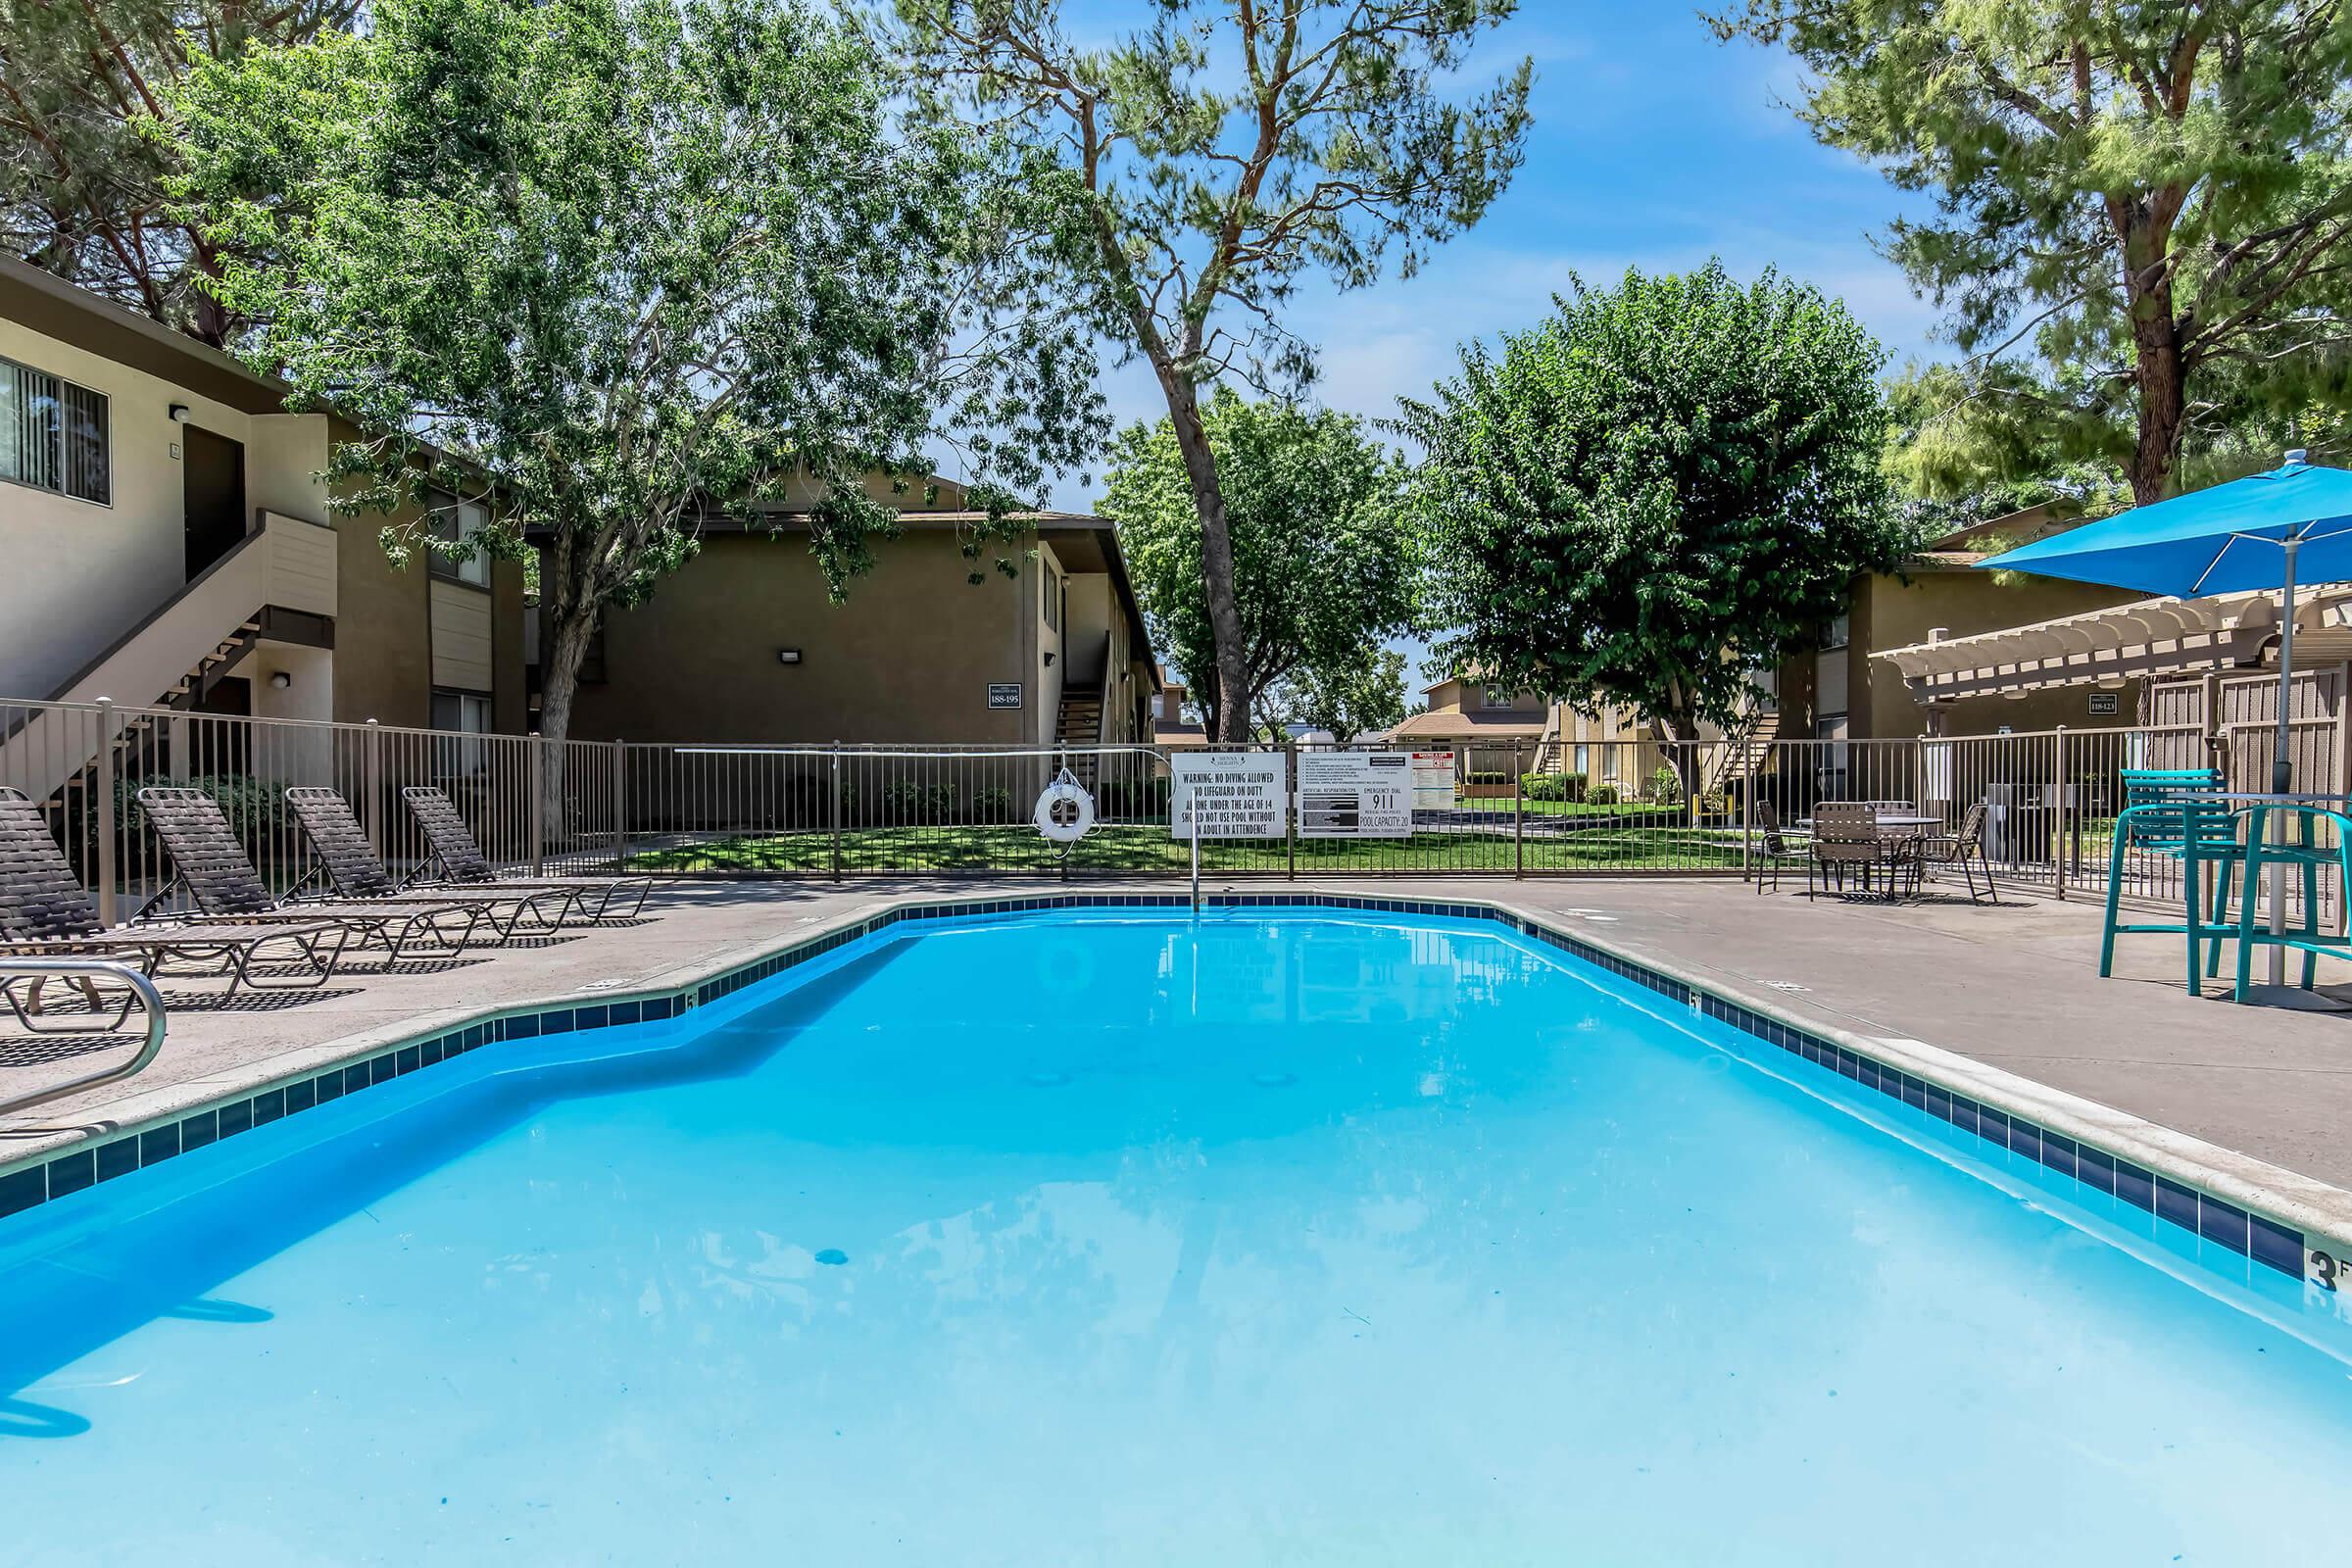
x: 1146, y: 848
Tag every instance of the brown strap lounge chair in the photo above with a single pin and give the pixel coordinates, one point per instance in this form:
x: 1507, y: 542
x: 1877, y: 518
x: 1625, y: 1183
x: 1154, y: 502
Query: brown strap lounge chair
x: 209, y: 863
x: 351, y: 868
x: 458, y: 860
x: 45, y: 912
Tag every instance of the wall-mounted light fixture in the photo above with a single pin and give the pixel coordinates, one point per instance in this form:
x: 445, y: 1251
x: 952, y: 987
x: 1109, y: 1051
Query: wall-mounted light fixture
x: 1049, y: 661
x: 179, y: 413
x: 788, y: 656
x: 281, y: 680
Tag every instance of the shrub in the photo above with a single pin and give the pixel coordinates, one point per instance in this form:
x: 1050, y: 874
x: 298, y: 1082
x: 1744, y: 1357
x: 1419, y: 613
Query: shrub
x: 1552, y: 786
x: 1134, y: 796
x: 1665, y: 785
x: 992, y: 803
x: 908, y: 799
x: 256, y: 809
x: 1602, y: 794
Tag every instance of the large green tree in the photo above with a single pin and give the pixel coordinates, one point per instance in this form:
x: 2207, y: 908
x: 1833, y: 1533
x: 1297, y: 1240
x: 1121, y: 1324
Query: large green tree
x: 637, y: 262
x: 82, y: 87
x: 1352, y: 698
x: 1663, y: 485
x: 1216, y: 155
x: 2153, y: 195
x: 1326, y: 552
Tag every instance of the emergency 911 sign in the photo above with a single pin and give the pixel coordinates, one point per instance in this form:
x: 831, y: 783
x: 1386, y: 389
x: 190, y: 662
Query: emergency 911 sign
x: 1356, y: 795
x: 1232, y: 794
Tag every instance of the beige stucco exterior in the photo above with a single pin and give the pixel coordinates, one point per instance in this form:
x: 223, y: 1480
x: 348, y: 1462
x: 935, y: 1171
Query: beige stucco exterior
x: 87, y: 576
x: 1947, y: 595
x: 910, y: 657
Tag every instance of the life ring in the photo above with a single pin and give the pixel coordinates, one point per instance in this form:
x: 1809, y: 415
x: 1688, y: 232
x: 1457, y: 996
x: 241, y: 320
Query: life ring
x: 1065, y: 813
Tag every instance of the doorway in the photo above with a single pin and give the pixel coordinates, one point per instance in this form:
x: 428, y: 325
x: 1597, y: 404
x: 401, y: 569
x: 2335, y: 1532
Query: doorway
x: 213, y: 482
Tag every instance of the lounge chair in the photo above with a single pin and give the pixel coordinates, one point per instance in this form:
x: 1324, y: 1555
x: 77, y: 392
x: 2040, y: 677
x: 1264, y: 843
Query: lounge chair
x: 458, y: 860
x: 45, y: 912
x: 211, y: 865
x: 351, y: 868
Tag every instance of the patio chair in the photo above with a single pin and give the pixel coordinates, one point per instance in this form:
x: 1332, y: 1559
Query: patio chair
x: 457, y: 859
x: 46, y: 912
x: 1845, y: 833
x: 2267, y: 846
x: 209, y: 863
x: 1777, y: 845
x: 2198, y: 833
x: 1964, y: 849
x: 347, y: 863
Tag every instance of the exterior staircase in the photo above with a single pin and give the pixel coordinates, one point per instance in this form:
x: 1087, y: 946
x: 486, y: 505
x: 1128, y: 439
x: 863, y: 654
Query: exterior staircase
x: 1747, y: 748
x: 1080, y: 723
x: 174, y: 659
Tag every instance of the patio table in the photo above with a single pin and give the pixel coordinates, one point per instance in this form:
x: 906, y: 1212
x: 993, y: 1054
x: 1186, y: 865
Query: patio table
x: 2258, y: 803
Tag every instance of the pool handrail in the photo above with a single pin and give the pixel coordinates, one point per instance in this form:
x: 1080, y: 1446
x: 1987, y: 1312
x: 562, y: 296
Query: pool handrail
x: 143, y: 995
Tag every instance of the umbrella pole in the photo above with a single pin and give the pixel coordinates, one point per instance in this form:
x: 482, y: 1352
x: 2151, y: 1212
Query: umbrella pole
x: 2281, y: 773
x: 2282, y: 765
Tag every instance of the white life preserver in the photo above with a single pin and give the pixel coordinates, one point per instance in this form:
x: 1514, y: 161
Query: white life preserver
x: 1065, y: 813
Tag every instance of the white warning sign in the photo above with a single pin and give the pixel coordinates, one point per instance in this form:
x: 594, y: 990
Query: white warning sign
x: 1356, y: 795
x: 1233, y: 795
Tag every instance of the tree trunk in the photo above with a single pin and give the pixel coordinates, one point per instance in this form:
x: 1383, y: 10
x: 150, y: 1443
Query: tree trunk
x: 1230, y: 714
x: 567, y: 631
x: 1679, y: 732
x: 2156, y: 345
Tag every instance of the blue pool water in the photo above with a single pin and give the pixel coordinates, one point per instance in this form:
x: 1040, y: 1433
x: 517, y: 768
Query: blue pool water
x: 1279, y: 1238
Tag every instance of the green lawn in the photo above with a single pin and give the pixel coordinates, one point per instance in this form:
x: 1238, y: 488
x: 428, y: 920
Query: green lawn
x: 1146, y: 848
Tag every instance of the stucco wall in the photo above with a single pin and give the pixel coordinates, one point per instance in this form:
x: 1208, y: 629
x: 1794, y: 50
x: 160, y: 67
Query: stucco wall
x: 383, y: 638
x: 80, y: 574
x: 1888, y: 614
x: 910, y: 657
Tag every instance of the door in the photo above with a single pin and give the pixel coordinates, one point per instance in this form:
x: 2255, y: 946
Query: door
x: 213, y: 482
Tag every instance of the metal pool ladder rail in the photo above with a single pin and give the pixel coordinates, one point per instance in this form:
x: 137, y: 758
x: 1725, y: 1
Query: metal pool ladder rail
x: 143, y: 995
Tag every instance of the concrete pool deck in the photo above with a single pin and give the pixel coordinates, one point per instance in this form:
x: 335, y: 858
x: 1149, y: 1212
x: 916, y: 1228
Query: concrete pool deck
x: 2013, y: 987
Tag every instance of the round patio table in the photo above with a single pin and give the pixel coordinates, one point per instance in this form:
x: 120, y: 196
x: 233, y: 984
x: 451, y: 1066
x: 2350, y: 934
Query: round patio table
x: 2257, y: 803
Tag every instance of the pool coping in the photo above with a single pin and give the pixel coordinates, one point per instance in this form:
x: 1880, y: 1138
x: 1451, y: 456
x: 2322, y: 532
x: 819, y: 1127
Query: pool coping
x: 2263, y: 1212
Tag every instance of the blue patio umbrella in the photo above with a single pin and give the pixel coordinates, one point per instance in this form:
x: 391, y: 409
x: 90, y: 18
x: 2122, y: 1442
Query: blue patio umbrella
x: 2264, y: 532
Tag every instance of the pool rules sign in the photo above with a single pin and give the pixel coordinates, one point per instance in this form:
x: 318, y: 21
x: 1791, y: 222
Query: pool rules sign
x: 1232, y: 794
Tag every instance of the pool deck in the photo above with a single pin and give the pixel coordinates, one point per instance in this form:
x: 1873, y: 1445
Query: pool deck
x: 2013, y: 987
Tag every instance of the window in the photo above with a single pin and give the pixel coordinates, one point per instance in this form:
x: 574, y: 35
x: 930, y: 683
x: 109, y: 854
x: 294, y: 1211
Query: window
x: 455, y: 521
x: 53, y: 435
x: 1835, y: 632
x: 1500, y: 696
x: 465, y: 714
x: 1054, y: 597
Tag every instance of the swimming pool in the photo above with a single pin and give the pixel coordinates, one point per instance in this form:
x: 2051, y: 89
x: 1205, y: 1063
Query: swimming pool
x: 1282, y: 1236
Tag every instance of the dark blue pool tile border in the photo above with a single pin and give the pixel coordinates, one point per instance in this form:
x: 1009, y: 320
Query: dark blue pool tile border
x: 2200, y: 1215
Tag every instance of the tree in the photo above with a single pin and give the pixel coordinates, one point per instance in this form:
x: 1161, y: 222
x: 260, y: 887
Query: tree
x: 1356, y: 697
x: 2156, y: 195
x: 638, y: 264
x: 1216, y: 155
x: 1325, y: 550
x: 83, y: 86
x: 1656, y: 488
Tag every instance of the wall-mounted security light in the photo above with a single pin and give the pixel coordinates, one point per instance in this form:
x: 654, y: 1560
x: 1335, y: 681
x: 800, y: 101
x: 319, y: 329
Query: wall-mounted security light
x: 281, y: 680
x: 179, y: 413
x: 788, y: 656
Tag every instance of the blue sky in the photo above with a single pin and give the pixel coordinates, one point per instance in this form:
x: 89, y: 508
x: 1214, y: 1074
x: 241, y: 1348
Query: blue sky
x: 1652, y: 146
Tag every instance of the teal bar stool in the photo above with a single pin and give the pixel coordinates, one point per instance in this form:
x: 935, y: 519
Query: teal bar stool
x: 2198, y: 833
x: 2266, y: 848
